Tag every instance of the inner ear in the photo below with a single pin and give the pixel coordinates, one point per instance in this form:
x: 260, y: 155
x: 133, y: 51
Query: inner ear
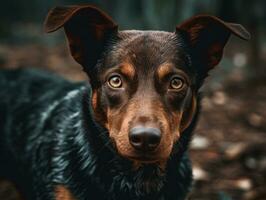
x: 87, y: 29
x: 207, y: 36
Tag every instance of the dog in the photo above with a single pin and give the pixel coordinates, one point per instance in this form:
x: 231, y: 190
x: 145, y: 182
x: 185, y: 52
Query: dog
x: 124, y: 134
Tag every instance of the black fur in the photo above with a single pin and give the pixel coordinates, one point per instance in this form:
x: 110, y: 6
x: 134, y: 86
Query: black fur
x: 48, y: 137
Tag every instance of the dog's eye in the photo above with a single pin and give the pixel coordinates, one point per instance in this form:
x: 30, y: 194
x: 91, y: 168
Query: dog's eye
x: 115, y: 81
x: 176, y: 83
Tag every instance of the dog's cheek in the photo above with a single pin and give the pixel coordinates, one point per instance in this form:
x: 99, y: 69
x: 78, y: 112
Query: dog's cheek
x: 121, y: 143
x: 119, y: 121
x: 171, y: 135
x: 164, y: 120
x: 113, y: 121
x: 113, y: 98
x: 94, y: 101
x: 102, y: 102
x: 175, y: 101
x: 99, y: 108
x: 116, y: 123
x: 170, y: 126
x: 166, y: 145
x: 188, y: 114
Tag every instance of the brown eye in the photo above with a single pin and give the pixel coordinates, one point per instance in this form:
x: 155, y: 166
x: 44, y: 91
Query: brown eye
x: 176, y: 83
x: 115, y: 81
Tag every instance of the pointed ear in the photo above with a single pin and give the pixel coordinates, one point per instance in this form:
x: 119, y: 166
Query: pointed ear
x: 207, y: 36
x: 87, y: 29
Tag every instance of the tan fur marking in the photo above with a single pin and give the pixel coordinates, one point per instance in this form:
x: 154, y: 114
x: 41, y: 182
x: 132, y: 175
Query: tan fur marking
x: 164, y: 69
x: 94, y: 100
x: 98, y: 111
x: 128, y: 70
x: 190, y: 115
x: 62, y: 193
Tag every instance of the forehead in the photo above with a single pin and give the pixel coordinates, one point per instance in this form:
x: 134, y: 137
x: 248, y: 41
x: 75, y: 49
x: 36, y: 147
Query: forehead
x: 147, y: 50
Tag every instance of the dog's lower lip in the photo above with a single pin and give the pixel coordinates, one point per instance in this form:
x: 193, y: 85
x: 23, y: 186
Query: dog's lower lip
x: 143, y: 158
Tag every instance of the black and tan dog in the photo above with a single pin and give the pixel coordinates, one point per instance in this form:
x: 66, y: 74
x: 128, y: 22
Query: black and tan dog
x: 123, y: 136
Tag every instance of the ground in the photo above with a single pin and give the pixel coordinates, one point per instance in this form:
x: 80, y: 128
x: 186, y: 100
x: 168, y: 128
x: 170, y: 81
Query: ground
x: 229, y: 147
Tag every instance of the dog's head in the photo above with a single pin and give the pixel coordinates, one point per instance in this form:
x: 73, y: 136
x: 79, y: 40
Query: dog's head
x: 145, y: 83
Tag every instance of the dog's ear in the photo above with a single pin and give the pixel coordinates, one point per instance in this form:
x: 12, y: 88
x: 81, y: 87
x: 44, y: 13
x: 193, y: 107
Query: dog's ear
x: 87, y: 29
x: 207, y: 37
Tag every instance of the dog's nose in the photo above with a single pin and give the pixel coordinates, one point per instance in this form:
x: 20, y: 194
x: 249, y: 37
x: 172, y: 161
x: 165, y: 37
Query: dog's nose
x: 144, y: 138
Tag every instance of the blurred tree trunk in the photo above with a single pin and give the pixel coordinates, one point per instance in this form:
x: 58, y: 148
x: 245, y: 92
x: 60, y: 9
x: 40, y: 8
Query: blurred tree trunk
x: 252, y: 17
x: 227, y: 10
x: 255, y: 67
x: 249, y: 14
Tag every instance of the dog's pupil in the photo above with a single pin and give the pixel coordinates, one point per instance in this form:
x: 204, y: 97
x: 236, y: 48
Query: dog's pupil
x: 115, y: 81
x: 176, y: 83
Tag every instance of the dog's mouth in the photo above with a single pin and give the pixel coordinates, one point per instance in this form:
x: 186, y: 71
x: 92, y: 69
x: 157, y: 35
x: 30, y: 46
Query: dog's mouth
x: 141, y: 157
x: 144, y: 158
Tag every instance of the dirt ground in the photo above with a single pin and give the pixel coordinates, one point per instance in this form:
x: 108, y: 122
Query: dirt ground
x: 229, y: 147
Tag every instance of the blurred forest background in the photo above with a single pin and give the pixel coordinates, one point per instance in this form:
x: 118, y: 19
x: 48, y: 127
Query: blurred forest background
x: 229, y: 147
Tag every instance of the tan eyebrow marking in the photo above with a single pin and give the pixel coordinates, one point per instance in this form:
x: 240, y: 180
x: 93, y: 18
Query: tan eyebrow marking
x: 128, y: 70
x: 165, y: 69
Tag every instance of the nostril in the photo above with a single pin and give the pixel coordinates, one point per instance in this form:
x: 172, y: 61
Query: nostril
x: 135, y: 138
x: 154, y: 139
